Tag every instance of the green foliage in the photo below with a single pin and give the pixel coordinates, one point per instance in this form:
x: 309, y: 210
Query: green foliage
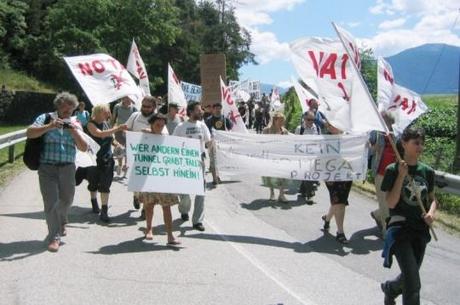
x: 292, y: 109
x: 441, y: 118
x: 14, y: 80
x: 38, y: 33
x: 369, y: 71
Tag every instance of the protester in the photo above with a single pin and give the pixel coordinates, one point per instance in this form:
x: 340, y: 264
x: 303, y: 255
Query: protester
x: 137, y: 122
x: 100, y: 176
x: 56, y: 173
x: 308, y: 188
x: 408, y: 227
x: 157, y: 123
x: 338, y: 193
x: 196, y: 129
x: 218, y: 122
x: 259, y: 118
x: 81, y: 114
x: 173, y: 118
x: 320, y: 118
x: 207, y: 112
x: 244, y: 112
x: 121, y: 112
x: 382, y: 156
x: 276, y: 127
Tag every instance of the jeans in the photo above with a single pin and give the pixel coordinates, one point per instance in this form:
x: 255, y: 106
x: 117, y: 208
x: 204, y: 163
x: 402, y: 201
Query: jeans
x: 409, y: 253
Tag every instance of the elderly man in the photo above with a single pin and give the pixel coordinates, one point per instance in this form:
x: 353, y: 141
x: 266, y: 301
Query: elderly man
x: 56, y: 173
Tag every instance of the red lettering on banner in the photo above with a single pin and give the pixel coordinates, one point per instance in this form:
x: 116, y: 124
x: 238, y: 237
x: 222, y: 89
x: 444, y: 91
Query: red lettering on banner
x: 345, y: 95
x: 387, y: 76
x: 227, y: 96
x: 233, y: 116
x: 355, y: 53
x: 404, y: 103
x: 344, y: 66
x: 98, y: 66
x: 314, y: 61
x: 85, y: 69
x: 117, y: 80
x: 140, y: 70
x: 413, y: 107
x: 329, y: 66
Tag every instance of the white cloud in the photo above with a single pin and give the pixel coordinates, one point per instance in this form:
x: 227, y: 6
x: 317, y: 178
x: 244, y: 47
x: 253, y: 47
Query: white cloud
x: 285, y: 84
x: 433, y: 24
x: 353, y: 24
x: 253, y: 13
x: 391, y: 24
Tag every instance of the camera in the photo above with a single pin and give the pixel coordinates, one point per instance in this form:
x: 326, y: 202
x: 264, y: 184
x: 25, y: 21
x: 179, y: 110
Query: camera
x: 66, y: 124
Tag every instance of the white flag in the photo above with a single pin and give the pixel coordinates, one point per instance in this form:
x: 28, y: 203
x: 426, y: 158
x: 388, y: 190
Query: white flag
x: 102, y: 77
x: 175, y: 93
x: 385, y: 82
x: 303, y: 94
x: 275, y: 100
x: 137, y: 68
x: 342, y: 98
x: 404, y: 104
x: 361, y: 94
x: 230, y: 110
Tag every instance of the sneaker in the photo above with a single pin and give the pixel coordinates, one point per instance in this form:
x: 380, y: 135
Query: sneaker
x: 198, y: 226
x: 341, y: 238
x: 53, y: 246
x: 136, y: 203
x: 388, y: 300
x: 184, y: 217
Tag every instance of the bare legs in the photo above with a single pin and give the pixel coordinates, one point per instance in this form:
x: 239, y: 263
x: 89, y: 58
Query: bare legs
x: 167, y: 218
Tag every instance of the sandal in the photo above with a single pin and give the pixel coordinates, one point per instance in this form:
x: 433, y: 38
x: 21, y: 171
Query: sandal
x: 326, y: 223
x: 341, y: 238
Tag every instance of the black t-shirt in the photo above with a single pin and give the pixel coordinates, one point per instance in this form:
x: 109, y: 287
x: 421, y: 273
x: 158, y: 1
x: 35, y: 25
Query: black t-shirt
x: 407, y: 205
x: 105, y: 152
x: 218, y: 123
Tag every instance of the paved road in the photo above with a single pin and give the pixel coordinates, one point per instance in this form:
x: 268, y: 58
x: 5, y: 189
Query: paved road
x: 253, y: 252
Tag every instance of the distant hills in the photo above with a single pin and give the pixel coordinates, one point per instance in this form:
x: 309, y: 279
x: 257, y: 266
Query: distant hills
x: 412, y: 68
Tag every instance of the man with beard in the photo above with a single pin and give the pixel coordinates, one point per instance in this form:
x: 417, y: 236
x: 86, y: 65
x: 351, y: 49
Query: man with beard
x: 196, y: 129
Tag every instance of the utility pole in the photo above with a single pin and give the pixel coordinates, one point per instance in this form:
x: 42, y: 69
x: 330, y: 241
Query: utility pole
x: 457, y: 150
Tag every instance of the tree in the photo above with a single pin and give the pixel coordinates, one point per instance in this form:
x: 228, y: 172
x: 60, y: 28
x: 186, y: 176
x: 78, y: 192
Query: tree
x: 369, y: 71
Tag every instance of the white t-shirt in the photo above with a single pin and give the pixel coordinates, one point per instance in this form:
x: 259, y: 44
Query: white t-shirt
x: 196, y: 130
x: 137, y: 122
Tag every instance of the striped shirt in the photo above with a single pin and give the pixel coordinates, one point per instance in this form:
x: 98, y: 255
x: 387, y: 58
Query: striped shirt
x: 58, y: 144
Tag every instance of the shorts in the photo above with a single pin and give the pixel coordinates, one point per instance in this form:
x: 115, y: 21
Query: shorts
x: 163, y: 199
x: 100, y: 177
x: 339, y: 191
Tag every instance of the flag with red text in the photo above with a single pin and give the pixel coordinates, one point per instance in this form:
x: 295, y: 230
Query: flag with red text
x: 175, y: 93
x: 136, y: 67
x: 229, y: 109
x: 103, y: 78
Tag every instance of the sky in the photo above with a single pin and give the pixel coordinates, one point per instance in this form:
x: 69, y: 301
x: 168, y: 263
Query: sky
x: 386, y: 26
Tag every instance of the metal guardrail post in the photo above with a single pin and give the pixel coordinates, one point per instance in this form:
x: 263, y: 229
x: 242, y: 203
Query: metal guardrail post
x: 11, y: 154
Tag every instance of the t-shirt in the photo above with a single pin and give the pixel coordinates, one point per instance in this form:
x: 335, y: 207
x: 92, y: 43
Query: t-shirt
x: 217, y: 123
x: 123, y: 113
x: 300, y: 130
x: 82, y: 117
x: 137, y: 122
x: 388, y: 157
x: 105, y: 150
x: 407, y: 205
x: 195, y: 130
x: 172, y: 124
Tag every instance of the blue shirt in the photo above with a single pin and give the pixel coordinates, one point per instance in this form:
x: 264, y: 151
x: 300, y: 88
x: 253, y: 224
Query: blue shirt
x: 58, y: 144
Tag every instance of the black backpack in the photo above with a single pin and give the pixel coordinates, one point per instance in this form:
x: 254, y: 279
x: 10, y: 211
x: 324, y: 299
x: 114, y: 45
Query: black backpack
x: 33, y: 149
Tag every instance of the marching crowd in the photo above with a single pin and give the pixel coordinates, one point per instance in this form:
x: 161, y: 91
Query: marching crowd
x: 400, y: 219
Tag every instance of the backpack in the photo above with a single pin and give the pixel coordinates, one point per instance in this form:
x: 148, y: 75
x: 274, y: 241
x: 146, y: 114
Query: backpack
x: 33, y: 149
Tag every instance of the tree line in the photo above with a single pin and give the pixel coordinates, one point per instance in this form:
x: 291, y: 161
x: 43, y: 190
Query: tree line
x: 36, y: 34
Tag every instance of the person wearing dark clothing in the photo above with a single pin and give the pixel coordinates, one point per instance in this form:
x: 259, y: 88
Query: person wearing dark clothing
x: 408, y: 226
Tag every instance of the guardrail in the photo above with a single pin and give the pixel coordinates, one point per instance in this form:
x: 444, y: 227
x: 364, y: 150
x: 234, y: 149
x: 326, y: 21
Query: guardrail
x: 448, y: 183
x: 10, y: 140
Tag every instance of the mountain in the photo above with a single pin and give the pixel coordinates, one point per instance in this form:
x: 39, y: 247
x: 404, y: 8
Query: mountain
x: 427, y: 69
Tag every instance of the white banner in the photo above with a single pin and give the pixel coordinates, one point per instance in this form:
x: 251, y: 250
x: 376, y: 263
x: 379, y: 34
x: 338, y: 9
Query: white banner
x: 192, y: 92
x: 342, y: 97
x: 136, y: 67
x: 229, y: 109
x: 306, y: 157
x: 275, y: 100
x: 164, y: 164
x: 102, y: 78
x: 175, y: 93
x: 406, y: 105
x: 303, y: 95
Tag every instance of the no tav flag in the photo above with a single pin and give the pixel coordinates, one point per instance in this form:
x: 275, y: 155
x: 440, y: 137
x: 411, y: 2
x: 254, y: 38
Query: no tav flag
x: 137, y: 68
x: 103, y: 78
x: 229, y: 109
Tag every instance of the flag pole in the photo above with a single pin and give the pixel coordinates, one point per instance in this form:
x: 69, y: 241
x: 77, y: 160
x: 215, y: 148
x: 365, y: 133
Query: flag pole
x: 390, y: 138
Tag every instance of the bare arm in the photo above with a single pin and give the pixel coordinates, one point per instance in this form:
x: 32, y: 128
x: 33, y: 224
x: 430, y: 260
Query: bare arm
x: 79, y: 140
x: 429, y: 216
x: 96, y: 132
x: 37, y: 131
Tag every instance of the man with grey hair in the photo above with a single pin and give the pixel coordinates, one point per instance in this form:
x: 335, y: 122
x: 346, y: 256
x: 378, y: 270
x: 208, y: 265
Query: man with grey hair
x: 56, y: 173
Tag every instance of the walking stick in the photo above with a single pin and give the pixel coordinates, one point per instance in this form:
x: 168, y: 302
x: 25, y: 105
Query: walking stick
x: 412, y: 185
